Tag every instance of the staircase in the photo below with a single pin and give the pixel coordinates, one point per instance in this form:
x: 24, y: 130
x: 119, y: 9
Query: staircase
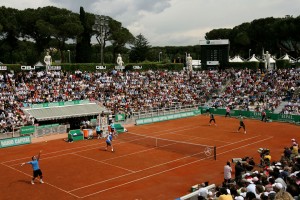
x: 280, y: 107
x: 296, y: 94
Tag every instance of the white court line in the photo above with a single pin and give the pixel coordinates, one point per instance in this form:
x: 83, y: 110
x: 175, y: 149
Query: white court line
x: 52, y: 152
x: 44, y: 182
x: 103, y: 162
x: 145, y: 169
x: 177, y: 130
x: 145, y: 177
x: 148, y: 167
x: 238, y: 141
x: 95, y: 148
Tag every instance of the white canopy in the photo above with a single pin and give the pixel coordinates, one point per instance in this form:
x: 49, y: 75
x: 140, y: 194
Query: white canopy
x: 253, y: 59
x: 39, y: 64
x: 272, y: 60
x: 287, y: 57
x: 236, y: 59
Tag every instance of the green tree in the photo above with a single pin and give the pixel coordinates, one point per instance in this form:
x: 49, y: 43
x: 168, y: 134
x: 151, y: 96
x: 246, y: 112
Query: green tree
x: 83, y: 46
x: 119, y: 37
x: 9, y: 34
x: 140, y: 49
x: 61, y: 24
x: 222, y: 33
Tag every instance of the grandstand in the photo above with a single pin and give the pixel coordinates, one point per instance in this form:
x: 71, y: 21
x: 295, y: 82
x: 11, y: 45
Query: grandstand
x: 48, y: 100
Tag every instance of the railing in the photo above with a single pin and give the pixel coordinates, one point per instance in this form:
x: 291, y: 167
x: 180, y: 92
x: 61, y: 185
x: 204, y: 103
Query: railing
x: 38, y: 132
x: 165, y: 111
x: 194, y: 195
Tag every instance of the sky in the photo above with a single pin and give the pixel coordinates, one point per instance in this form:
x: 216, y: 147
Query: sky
x: 172, y: 22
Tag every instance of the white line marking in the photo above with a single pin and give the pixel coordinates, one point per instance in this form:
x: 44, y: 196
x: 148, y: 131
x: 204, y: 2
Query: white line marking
x: 103, y: 162
x: 44, y: 183
x: 145, y: 177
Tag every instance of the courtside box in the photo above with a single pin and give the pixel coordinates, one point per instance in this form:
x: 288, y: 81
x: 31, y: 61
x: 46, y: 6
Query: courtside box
x: 76, y: 135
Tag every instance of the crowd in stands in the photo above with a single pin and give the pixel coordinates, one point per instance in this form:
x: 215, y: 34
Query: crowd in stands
x: 265, y: 180
x: 256, y: 90
x: 292, y: 108
x: 133, y: 91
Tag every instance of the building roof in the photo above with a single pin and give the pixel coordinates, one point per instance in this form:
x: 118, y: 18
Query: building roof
x: 62, y: 112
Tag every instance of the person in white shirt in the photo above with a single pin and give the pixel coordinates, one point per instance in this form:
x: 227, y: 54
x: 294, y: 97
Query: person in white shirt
x: 227, y: 172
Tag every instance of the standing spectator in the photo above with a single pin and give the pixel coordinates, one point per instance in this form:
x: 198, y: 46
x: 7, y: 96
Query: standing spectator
x: 294, y: 149
x: 227, y: 172
x: 238, y: 171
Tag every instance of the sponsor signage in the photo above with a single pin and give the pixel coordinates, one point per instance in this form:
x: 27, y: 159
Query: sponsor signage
x: 100, y: 67
x: 15, y: 141
x: 214, y: 42
x: 120, y: 67
x: 212, y: 62
x: 3, y: 68
x: 167, y: 117
x: 137, y: 67
x: 27, y: 67
x: 27, y: 130
x: 120, y: 117
x: 54, y: 68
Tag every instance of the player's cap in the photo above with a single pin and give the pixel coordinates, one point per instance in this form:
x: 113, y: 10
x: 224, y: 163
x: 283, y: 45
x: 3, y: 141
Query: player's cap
x: 293, y: 140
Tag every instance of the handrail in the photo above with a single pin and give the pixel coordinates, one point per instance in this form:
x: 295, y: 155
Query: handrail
x: 195, y: 193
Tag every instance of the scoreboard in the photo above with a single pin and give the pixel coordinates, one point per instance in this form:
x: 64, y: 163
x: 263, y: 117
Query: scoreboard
x: 214, y: 53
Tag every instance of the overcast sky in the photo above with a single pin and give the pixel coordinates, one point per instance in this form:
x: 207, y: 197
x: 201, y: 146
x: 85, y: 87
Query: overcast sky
x: 173, y: 22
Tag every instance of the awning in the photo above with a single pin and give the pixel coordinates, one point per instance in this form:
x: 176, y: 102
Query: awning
x: 62, y: 112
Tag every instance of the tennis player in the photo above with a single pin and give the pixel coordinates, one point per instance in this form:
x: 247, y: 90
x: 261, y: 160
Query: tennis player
x: 242, y: 124
x: 109, y: 141
x: 212, y: 119
x: 36, y: 168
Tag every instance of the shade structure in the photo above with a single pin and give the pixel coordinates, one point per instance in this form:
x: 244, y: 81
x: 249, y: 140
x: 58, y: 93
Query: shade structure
x: 62, y: 112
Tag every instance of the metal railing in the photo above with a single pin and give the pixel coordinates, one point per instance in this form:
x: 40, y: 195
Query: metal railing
x: 165, y: 111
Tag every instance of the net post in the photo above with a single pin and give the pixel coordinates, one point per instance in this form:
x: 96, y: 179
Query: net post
x: 215, y: 152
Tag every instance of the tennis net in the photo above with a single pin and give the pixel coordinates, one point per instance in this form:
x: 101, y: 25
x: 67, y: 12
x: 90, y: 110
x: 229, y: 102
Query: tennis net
x: 186, y: 148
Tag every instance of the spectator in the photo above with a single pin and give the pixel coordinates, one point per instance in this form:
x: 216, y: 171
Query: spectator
x: 238, y: 172
x: 227, y: 172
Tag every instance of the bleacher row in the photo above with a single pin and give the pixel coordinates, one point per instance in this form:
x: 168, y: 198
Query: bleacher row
x: 134, y: 91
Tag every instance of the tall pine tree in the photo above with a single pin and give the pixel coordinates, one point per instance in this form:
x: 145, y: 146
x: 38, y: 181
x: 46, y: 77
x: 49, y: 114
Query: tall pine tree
x: 83, y: 46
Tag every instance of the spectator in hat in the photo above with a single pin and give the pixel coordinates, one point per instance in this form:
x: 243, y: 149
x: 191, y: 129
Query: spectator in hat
x: 277, y: 187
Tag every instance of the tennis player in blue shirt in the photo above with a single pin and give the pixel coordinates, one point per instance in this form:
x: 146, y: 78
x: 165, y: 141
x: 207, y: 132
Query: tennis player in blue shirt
x: 109, y: 141
x: 36, y: 168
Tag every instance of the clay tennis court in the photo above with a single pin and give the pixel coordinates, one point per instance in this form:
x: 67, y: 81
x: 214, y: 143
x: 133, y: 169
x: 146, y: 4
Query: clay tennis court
x: 84, y: 170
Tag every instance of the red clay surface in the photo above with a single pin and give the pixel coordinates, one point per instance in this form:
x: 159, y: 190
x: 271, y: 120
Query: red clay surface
x: 84, y: 170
